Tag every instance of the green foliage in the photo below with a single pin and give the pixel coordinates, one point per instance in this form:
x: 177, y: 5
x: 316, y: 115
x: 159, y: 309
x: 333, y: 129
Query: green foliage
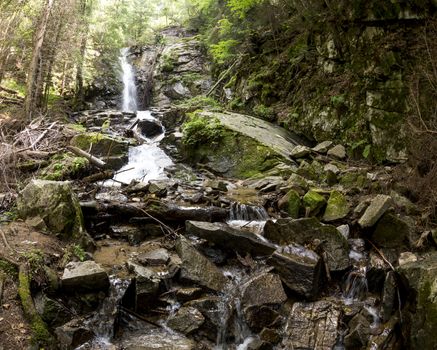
x: 35, y: 259
x: 200, y: 130
x: 199, y: 102
x: 224, y: 50
x: 264, y: 112
x: 241, y: 7
x: 73, y: 251
x: 7, y: 268
x: 64, y: 166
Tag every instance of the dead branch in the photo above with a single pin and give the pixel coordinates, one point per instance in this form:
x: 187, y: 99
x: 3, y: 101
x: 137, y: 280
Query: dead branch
x: 94, y: 160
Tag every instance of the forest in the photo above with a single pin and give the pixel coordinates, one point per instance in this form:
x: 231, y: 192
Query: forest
x: 218, y: 174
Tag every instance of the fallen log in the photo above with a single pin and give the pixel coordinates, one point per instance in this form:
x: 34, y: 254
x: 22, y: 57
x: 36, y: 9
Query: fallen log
x: 93, y: 160
x: 104, y: 175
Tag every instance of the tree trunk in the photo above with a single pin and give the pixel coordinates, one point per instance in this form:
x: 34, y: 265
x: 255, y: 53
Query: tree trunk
x: 34, y: 83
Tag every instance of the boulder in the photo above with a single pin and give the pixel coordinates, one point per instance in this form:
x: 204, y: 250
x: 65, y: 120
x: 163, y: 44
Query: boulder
x: 84, y: 276
x: 313, y: 202
x: 186, y: 320
x: 198, y: 269
x: 258, y: 317
x: 56, y: 204
x: 100, y: 145
x: 309, y: 231
x: 149, y: 128
x: 290, y: 203
x: 337, y: 207
x: 420, y: 323
x: 338, y: 152
x: 392, y: 232
x: 230, y: 238
x: 155, y: 257
x: 359, y: 332
x: 312, y: 326
x: 322, y: 147
x: 300, y: 151
x: 300, y: 269
x: 261, y: 290
x: 155, y: 339
x: 378, y: 206
x: 51, y: 311
x: 73, y: 334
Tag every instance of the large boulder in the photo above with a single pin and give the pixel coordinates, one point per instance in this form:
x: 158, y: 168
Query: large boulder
x: 99, y: 144
x: 312, y: 326
x: 309, y: 231
x: 420, y: 322
x: 197, y: 268
x: 56, y: 204
x: 84, y: 276
x: 377, y: 208
x: 337, y: 207
x: 230, y: 238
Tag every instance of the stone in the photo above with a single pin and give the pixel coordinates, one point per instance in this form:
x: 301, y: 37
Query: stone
x: 309, y: 231
x: 147, y: 283
x: 389, y: 296
x: 51, y: 311
x: 84, y: 276
x: 198, y: 269
x: 332, y: 168
x: 258, y: 317
x: 186, y: 294
x: 186, y: 320
x: 359, y: 332
x: 344, y: 230
x: 377, y: 208
x: 225, y: 236
x: 300, y: 269
x: 213, y: 309
x: 322, y: 147
x: 149, y: 128
x: 313, y: 202
x: 420, y: 324
x: 392, y: 232
x: 158, y: 188
x: 262, y: 290
x: 56, y: 204
x: 73, y: 334
x: 156, y: 339
x: 406, y: 257
x: 290, y: 203
x: 155, y: 257
x: 300, y: 151
x: 216, y: 185
x: 337, y: 207
x: 270, y: 335
x: 100, y: 145
x: 338, y: 152
x: 312, y: 326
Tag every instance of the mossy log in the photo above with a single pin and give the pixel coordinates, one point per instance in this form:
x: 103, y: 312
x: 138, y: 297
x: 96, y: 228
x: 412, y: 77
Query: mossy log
x: 40, y: 332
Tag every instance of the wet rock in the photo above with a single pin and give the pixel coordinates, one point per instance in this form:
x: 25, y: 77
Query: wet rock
x: 52, y: 312
x: 212, y: 309
x: 322, y: 147
x: 198, y: 269
x: 388, y: 337
x: 147, y: 283
x: 186, y: 320
x: 158, y: 188
x: 300, y: 269
x: 420, y: 323
x: 290, y: 203
x: 389, y: 296
x: 313, y: 202
x: 155, y: 257
x: 378, y: 206
x: 84, y: 276
x: 186, y: 294
x: 73, y: 334
x: 56, y: 204
x: 228, y: 237
x: 312, y: 326
x: 392, y: 232
x: 149, y: 128
x: 270, y: 335
x: 338, y: 152
x: 259, y: 317
x: 156, y: 339
x: 359, y: 333
x: 309, y: 231
x: 216, y: 185
x: 261, y: 290
x: 300, y: 151
x: 337, y: 207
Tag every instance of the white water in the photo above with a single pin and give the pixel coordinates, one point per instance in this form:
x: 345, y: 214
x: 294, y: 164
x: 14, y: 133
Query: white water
x: 129, y: 102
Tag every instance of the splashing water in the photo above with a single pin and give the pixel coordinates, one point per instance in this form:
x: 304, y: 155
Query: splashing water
x: 356, y: 285
x: 129, y: 102
x: 248, y: 212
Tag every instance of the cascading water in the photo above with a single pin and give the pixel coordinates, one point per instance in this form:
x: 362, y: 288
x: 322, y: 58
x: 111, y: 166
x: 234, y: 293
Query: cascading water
x: 129, y: 101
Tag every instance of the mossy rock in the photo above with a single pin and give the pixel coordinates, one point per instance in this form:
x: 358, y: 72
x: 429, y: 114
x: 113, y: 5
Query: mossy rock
x: 337, y: 207
x: 64, y: 166
x: 291, y: 203
x: 313, y: 202
x: 392, y: 232
x: 100, y: 145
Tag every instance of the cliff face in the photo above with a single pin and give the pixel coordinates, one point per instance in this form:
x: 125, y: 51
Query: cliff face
x: 345, y: 76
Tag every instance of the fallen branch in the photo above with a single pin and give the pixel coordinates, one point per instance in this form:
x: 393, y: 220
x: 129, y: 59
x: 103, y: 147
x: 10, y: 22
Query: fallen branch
x: 224, y: 75
x: 93, y: 160
x: 104, y: 175
x: 40, y: 137
x: 5, y: 241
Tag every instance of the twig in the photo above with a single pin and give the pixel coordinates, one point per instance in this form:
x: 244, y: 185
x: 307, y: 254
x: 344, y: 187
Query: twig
x: 94, y: 160
x: 382, y: 256
x: 5, y: 241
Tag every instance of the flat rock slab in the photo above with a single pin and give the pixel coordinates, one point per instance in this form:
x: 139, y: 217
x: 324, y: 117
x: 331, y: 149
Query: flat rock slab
x: 197, y: 268
x: 309, y: 231
x: 312, y: 326
x: 377, y: 208
x: 84, y: 276
x: 301, y: 271
x: 228, y: 237
x: 262, y: 290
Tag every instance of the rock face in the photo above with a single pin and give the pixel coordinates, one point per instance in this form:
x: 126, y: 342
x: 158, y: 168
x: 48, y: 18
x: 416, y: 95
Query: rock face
x: 198, y: 269
x: 84, y: 276
x: 55, y: 203
x: 225, y: 236
x: 312, y: 326
x: 325, y: 238
x: 375, y: 210
x: 422, y: 320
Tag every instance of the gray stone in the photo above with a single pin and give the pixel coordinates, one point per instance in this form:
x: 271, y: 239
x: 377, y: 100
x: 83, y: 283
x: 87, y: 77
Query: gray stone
x: 312, y: 326
x: 155, y: 257
x: 55, y: 203
x: 158, y: 188
x: 338, y: 152
x: 300, y: 151
x: 359, y: 332
x: 186, y: 320
x: 198, y: 269
x: 228, y: 237
x: 309, y: 231
x: 332, y: 168
x: 392, y: 232
x: 407, y: 257
x: 322, y: 147
x: 52, y: 312
x: 300, y: 269
x: 337, y: 207
x: 84, y: 276
x: 378, y: 206
x: 261, y: 290
x: 101, y: 145
x: 73, y: 334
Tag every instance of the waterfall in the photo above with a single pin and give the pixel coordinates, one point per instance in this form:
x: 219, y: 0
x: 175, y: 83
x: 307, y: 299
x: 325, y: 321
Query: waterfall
x: 129, y: 87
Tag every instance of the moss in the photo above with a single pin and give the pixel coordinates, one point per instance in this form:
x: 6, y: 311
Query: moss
x: 337, y: 207
x: 198, y: 130
x: 76, y: 127
x: 293, y: 206
x: 64, y: 166
x: 100, y: 144
x: 313, y: 202
x: 8, y: 268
